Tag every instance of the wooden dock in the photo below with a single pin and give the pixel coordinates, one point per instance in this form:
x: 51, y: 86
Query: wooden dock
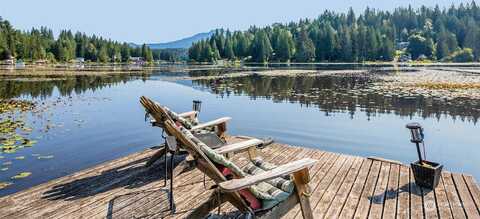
x: 343, y: 187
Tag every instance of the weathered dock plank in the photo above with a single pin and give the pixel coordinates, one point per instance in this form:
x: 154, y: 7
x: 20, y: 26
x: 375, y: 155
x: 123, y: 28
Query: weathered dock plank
x: 403, y: 204
x: 342, y: 186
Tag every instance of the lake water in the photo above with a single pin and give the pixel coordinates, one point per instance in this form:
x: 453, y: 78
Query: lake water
x: 86, y: 120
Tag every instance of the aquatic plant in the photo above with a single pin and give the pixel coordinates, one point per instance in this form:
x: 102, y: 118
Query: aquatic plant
x: 5, y: 184
x: 447, y: 86
x: 22, y: 175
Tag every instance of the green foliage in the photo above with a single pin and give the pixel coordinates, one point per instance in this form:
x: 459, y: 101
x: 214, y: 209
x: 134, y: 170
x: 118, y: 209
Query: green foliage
x: 103, y: 55
x: 419, y: 45
x: 306, y: 48
x: 40, y: 44
x: 337, y: 37
x: 170, y: 55
x: 463, y: 55
x: 261, y: 48
x: 147, y: 54
x: 284, y: 46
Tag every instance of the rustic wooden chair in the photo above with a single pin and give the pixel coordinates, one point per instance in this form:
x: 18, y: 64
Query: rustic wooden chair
x: 214, y: 139
x: 229, y: 190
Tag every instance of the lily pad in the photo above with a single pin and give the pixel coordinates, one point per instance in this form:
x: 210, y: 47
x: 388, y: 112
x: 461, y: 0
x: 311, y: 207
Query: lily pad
x: 9, y: 142
x: 22, y: 175
x: 8, y: 147
x: 5, y: 184
x: 27, y: 129
x: 18, y: 138
x: 10, y: 151
x: 29, y: 143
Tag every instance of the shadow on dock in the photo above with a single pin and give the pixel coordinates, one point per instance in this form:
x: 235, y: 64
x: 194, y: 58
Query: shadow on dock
x: 129, y: 176
x: 410, y: 188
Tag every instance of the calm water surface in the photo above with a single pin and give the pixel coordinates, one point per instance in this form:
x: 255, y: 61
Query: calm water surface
x: 88, y: 120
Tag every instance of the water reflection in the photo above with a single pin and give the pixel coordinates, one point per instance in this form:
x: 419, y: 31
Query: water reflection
x: 13, y: 87
x: 345, y: 93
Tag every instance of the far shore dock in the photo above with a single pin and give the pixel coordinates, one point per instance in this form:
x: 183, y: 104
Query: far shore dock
x: 343, y: 186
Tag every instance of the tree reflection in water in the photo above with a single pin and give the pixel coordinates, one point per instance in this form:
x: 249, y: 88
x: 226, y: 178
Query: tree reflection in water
x: 346, y: 93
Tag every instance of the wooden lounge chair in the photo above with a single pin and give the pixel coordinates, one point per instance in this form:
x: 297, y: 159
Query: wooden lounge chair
x: 230, y: 190
x: 212, y: 133
x: 187, y: 119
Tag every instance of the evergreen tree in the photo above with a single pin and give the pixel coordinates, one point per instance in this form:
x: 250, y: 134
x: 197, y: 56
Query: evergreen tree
x: 261, y: 49
x: 442, y: 49
x: 102, y: 54
x: 229, y: 53
x: 306, y: 48
x: 285, y: 46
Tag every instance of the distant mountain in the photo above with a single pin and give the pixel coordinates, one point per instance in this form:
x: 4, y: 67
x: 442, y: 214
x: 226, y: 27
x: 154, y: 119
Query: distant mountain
x: 182, y: 43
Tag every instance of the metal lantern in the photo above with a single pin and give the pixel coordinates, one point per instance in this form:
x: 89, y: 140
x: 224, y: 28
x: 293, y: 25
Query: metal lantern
x: 426, y: 173
x: 416, y: 132
x: 197, y: 105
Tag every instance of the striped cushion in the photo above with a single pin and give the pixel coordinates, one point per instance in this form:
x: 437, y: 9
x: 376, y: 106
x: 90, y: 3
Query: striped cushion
x: 259, y: 162
x: 269, y: 195
x: 285, y: 185
x: 187, y: 123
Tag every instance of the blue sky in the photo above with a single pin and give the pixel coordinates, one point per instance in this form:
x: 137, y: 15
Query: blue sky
x: 160, y: 21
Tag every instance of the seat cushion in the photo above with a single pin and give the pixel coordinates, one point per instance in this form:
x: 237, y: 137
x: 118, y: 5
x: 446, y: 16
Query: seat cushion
x: 187, y: 123
x: 285, y: 185
x: 267, y: 192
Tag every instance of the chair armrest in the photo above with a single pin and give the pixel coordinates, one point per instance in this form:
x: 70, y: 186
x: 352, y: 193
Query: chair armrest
x: 289, y: 168
x: 188, y: 114
x: 238, y: 146
x: 211, y: 123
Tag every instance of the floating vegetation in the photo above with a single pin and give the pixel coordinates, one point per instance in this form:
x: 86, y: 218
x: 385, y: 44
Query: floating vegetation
x: 5, y: 184
x: 29, y: 143
x: 11, y: 139
x: 447, y: 86
x: 13, y: 129
x: 22, y: 175
x: 13, y: 105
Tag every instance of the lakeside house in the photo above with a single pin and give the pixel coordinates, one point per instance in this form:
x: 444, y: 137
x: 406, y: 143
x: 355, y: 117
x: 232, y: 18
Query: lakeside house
x: 136, y: 60
x: 79, y: 60
x: 41, y: 62
x: 20, y: 64
x: 402, y: 45
x: 405, y: 58
x: 10, y: 61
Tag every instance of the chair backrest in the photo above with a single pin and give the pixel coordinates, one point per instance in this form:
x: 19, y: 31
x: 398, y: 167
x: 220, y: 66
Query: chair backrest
x: 203, y: 163
x: 155, y: 110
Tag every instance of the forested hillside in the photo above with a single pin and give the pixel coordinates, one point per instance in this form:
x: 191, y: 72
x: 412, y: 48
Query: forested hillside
x: 40, y: 44
x: 442, y: 34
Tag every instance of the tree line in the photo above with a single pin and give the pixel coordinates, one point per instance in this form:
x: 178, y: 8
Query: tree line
x: 447, y: 34
x: 40, y: 44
